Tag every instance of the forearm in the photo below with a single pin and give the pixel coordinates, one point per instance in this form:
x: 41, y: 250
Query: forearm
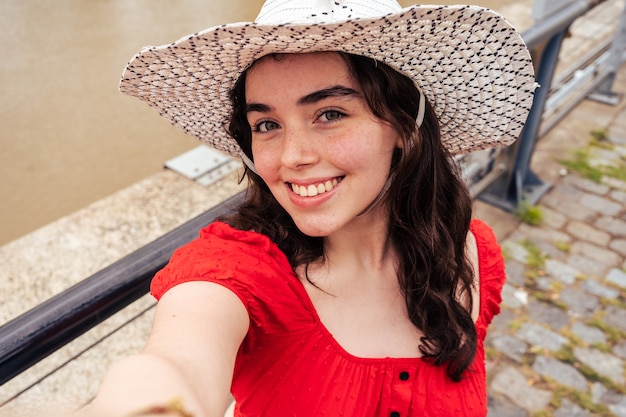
x: 146, y: 385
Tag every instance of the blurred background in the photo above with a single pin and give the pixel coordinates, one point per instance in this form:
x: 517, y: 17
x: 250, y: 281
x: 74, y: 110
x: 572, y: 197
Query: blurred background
x: 68, y: 137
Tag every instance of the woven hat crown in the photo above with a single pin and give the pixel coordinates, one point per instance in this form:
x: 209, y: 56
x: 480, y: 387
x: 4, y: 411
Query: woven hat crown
x: 471, y: 64
x: 276, y: 12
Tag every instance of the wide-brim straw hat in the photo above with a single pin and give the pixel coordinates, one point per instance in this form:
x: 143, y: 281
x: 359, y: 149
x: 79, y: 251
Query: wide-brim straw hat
x: 471, y: 64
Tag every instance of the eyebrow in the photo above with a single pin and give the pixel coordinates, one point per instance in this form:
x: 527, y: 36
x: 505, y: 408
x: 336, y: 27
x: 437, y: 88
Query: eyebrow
x: 336, y: 91
x: 314, y: 97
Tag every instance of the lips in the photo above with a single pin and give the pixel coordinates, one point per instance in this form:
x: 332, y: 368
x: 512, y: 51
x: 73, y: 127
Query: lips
x: 311, y: 190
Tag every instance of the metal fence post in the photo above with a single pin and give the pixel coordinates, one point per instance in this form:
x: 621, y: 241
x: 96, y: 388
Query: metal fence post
x: 521, y: 183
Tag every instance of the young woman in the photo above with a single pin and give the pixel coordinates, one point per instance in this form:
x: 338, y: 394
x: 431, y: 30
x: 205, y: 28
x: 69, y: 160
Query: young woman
x: 352, y: 281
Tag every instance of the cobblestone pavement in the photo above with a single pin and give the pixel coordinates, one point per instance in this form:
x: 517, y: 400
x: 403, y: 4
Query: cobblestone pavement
x: 559, y: 346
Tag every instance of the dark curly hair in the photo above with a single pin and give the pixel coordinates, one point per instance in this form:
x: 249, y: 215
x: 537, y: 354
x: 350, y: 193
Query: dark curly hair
x: 429, y: 215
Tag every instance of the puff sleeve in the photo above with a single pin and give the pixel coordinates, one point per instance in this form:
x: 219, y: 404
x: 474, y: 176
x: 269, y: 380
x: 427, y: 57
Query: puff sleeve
x: 245, y: 262
x: 491, y: 273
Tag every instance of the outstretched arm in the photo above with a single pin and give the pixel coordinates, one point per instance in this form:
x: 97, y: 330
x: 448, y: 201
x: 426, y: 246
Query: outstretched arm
x: 190, y: 355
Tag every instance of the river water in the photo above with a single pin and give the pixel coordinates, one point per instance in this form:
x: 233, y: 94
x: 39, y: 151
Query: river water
x: 68, y: 136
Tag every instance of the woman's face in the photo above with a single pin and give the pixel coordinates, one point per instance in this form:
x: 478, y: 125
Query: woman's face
x: 323, y: 154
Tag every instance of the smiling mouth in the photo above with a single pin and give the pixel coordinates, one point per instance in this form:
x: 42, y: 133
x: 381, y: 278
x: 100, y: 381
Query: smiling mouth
x: 312, y: 190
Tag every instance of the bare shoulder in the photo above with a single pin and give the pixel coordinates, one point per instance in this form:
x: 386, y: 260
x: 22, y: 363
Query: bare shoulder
x: 200, y: 327
x: 197, y: 310
x: 471, y: 251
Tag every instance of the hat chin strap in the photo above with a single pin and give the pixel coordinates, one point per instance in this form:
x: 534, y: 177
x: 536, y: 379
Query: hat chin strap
x: 422, y: 108
x: 248, y: 162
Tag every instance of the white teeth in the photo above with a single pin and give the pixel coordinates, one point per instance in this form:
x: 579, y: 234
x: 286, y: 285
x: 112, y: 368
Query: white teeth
x: 313, y: 190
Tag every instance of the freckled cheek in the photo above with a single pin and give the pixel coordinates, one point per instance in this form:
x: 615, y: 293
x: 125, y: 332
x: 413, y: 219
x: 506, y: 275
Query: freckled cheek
x: 266, y: 161
x: 361, y: 150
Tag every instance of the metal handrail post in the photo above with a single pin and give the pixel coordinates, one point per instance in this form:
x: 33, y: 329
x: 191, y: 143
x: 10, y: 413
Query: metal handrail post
x: 521, y: 183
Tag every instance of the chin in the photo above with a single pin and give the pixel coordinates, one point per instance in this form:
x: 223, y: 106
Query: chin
x: 314, y: 230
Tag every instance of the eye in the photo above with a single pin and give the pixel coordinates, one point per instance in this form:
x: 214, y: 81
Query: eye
x: 331, y: 115
x: 265, y: 126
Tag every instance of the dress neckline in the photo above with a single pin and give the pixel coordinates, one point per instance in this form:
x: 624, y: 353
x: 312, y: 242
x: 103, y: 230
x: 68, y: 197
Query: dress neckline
x: 310, y: 307
x: 328, y: 336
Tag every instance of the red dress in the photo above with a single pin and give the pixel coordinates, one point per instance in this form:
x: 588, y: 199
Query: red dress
x: 290, y: 365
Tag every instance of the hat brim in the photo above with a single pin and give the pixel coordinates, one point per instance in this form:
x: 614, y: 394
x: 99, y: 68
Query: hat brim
x: 471, y: 64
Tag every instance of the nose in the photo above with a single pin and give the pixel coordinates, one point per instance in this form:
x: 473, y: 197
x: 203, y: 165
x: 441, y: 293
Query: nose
x: 299, y: 148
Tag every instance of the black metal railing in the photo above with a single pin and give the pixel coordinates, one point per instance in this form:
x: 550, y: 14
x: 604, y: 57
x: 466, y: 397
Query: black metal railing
x: 52, y: 324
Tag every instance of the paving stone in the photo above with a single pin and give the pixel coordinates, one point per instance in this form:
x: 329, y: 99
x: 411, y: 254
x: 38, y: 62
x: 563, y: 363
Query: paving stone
x: 501, y: 322
x: 614, y: 400
x: 513, y: 384
x: 564, y: 199
x: 588, y: 334
x: 605, y: 364
x: 620, y: 150
x: 619, y: 246
x: 563, y: 272
x: 586, y: 185
x: 579, y: 212
x: 550, y: 249
x: 617, y: 134
x: 566, y: 192
x: 604, y: 158
x: 615, y: 317
x: 515, y: 251
x: 619, y: 409
x: 514, y: 297
x: 617, y: 184
x: 539, y: 336
x: 544, y: 234
x: 499, y: 406
x: 618, y: 195
x: 515, y: 272
x: 511, y: 346
x: 541, y: 312
x: 613, y: 225
x: 599, y: 254
x: 595, y: 288
x: 561, y: 372
x: 620, y: 349
x: 569, y: 409
x: 586, y: 265
x: 544, y: 283
x: 617, y: 277
x: 598, y: 392
x: 602, y: 205
x: 579, y: 303
x: 553, y: 218
x: 588, y: 233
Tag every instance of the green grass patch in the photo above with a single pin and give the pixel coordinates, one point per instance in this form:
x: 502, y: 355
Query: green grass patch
x: 563, y: 246
x: 581, y: 164
x: 529, y: 214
